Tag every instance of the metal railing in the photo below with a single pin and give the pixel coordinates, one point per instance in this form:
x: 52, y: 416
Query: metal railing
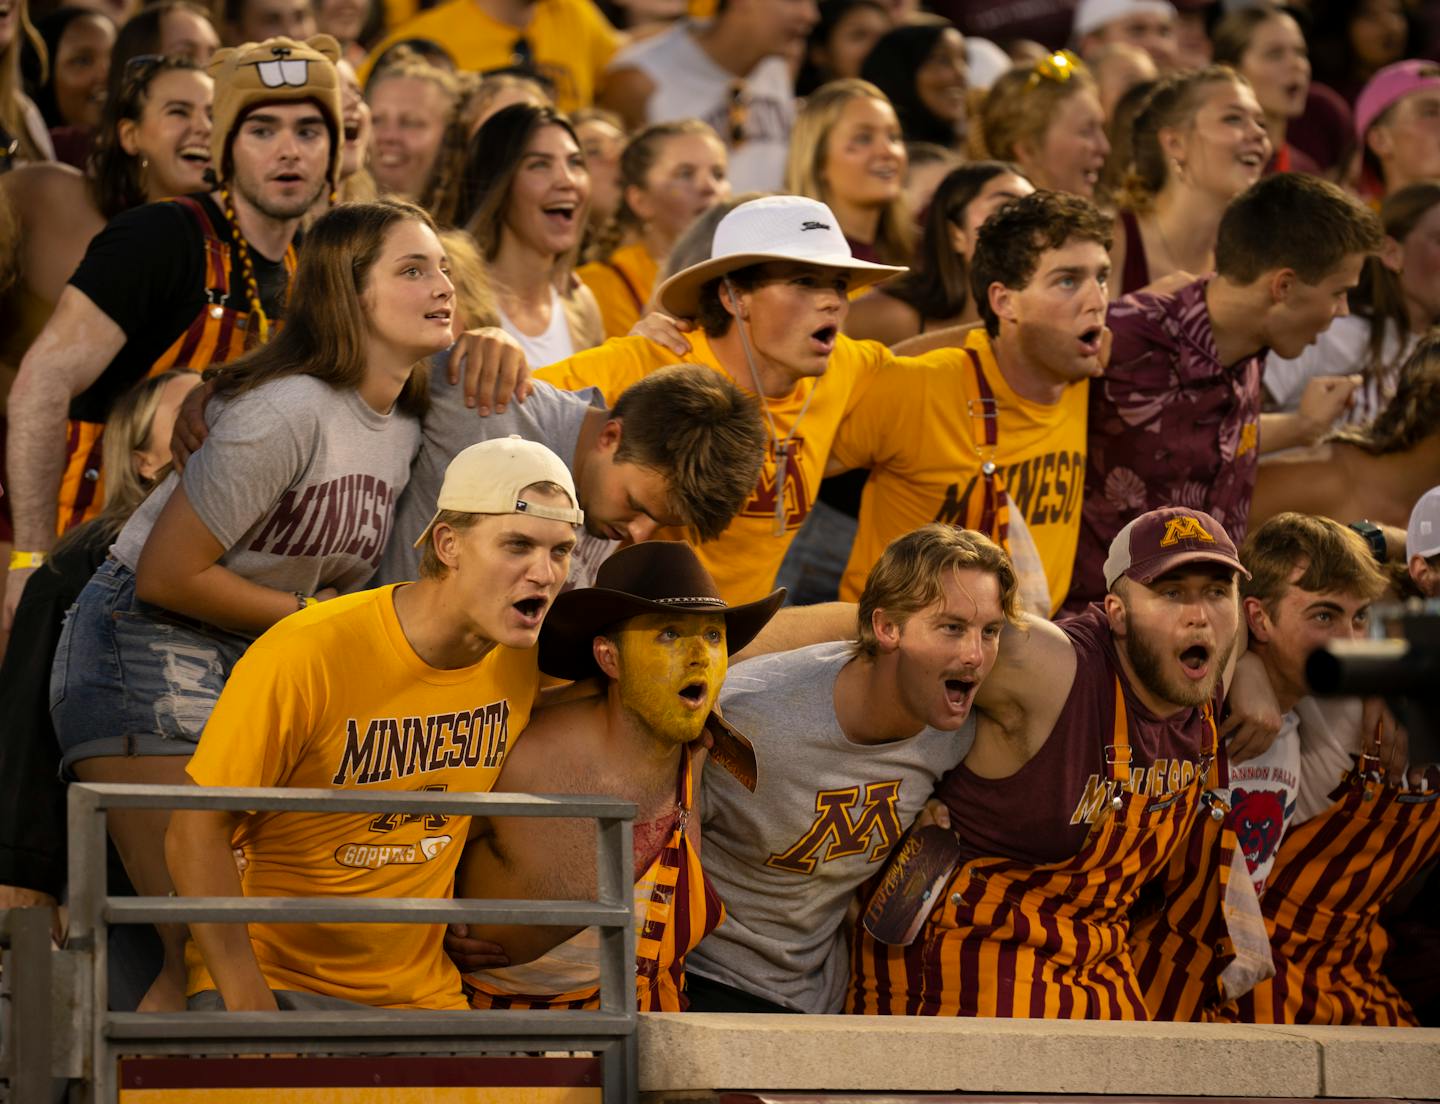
x: 60, y: 1025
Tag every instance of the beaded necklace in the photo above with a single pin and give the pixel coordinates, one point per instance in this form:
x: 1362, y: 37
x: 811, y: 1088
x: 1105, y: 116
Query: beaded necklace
x: 247, y: 268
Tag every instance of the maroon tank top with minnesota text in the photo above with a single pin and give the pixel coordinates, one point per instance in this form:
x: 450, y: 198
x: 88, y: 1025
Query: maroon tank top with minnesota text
x: 1043, y: 812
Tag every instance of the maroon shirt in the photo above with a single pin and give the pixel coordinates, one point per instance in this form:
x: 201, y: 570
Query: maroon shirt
x: 1169, y: 426
x: 1042, y: 813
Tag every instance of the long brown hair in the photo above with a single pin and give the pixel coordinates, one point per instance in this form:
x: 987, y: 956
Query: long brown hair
x: 11, y: 116
x: 494, y: 158
x: 1414, y: 412
x: 325, y: 325
x: 810, y: 147
x: 115, y: 182
x: 1379, y: 296
x: 938, y: 284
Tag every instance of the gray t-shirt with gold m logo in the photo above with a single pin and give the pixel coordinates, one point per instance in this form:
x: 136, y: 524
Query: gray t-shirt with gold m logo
x: 788, y: 858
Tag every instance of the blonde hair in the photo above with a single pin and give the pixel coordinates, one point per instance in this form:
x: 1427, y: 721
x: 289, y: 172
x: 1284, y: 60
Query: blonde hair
x: 1171, y: 105
x: 1020, y: 107
x: 432, y: 567
x: 441, y: 191
x: 910, y: 574
x: 809, y: 148
x: 474, y: 301
x: 127, y: 431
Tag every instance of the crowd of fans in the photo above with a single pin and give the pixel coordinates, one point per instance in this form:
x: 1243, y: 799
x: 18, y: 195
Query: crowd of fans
x: 450, y: 395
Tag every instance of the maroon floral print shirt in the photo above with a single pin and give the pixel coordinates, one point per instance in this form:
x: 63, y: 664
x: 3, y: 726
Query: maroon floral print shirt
x: 1169, y: 426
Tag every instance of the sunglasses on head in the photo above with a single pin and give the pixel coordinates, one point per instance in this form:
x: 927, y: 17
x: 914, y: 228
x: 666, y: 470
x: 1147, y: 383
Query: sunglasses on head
x: 142, y: 61
x: 737, y: 114
x: 1058, y: 67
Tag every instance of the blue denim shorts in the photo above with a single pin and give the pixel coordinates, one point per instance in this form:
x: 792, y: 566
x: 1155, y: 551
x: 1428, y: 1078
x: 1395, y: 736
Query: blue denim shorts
x: 130, y: 678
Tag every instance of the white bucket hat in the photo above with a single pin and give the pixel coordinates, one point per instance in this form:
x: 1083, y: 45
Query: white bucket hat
x: 774, y: 228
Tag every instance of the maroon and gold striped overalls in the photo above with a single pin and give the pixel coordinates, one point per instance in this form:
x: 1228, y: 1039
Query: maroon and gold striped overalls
x: 1013, y: 939
x: 218, y: 334
x: 1322, y: 904
x: 682, y: 909
x: 1185, y: 944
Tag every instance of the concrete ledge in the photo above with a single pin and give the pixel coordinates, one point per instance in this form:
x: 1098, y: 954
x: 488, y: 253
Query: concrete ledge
x: 694, y: 1053
x: 1376, y: 1061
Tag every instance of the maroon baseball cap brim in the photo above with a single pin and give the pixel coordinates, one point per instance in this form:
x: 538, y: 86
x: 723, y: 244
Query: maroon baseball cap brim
x: 1150, y: 570
x: 1163, y: 540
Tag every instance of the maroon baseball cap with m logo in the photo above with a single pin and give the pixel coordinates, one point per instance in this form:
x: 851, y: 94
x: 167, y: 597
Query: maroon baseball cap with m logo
x: 1162, y: 540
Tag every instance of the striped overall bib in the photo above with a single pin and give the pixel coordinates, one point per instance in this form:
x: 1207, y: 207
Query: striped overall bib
x: 1322, y: 904
x: 1013, y: 939
x: 1202, y: 937
x: 675, y: 908
x: 218, y: 334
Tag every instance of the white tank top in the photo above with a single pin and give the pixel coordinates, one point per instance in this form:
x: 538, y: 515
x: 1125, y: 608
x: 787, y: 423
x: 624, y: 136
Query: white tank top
x: 688, y: 84
x: 546, y: 348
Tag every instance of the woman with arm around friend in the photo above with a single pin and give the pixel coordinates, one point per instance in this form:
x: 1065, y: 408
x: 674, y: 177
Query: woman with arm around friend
x: 289, y: 502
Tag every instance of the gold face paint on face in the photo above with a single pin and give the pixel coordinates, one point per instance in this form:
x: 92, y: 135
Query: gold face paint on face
x: 671, y: 668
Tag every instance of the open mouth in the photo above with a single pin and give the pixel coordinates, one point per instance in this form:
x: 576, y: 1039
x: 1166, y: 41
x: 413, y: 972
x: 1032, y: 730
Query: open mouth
x: 693, y: 694
x: 440, y: 316
x: 824, y: 337
x: 958, y: 692
x: 1252, y: 160
x: 1090, y: 340
x: 531, y: 609
x: 199, y: 156
x: 352, y: 131
x: 562, y: 212
x: 1195, y: 661
x: 288, y: 178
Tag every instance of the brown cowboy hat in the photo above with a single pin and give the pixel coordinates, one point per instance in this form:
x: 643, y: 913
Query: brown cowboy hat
x: 650, y: 577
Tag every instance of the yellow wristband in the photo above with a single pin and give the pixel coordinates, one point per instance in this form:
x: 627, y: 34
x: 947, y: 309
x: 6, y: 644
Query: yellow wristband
x: 20, y: 561
x: 311, y: 600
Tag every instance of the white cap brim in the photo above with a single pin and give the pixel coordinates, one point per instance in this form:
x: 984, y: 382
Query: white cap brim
x: 680, y: 295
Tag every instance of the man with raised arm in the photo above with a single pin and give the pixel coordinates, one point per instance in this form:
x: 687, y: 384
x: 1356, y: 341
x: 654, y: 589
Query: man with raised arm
x: 850, y: 738
x: 1095, y: 745
x: 185, y: 283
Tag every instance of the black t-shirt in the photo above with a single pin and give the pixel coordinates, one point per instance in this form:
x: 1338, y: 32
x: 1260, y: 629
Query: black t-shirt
x: 146, y: 270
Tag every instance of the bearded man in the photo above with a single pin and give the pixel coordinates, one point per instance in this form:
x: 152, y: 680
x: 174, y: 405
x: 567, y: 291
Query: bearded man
x: 1094, y: 747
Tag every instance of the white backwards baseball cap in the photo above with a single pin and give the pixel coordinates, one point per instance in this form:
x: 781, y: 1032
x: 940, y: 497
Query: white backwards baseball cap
x: 773, y: 228
x: 1422, y: 535
x: 488, y: 478
x: 1091, y: 15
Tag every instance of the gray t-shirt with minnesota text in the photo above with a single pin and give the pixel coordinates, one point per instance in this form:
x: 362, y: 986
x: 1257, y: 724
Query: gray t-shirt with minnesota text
x: 297, y: 480
x: 787, y: 859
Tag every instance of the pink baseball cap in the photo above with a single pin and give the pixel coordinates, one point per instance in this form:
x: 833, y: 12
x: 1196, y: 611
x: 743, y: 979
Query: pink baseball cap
x: 1162, y: 540
x: 1390, y: 84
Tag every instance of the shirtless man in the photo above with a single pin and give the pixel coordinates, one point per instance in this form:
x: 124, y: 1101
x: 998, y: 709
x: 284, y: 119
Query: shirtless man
x: 656, y: 630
